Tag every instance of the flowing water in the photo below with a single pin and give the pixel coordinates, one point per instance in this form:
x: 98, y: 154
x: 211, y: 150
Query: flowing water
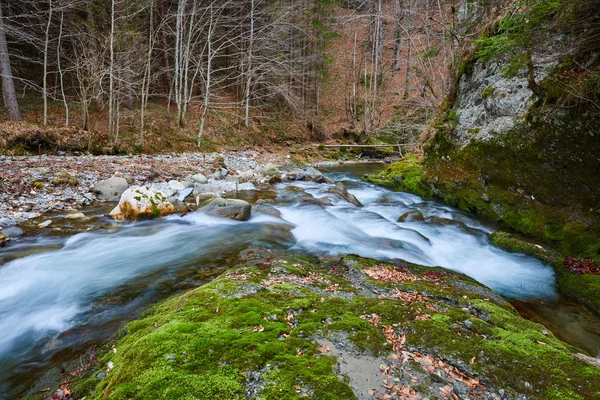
x: 61, y: 295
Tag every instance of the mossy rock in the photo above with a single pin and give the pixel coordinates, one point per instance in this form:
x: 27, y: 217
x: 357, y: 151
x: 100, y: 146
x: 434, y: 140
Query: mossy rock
x: 405, y: 175
x: 222, y: 341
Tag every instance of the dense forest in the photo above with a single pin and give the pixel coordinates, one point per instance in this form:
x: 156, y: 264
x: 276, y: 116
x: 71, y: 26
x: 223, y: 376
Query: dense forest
x: 130, y: 67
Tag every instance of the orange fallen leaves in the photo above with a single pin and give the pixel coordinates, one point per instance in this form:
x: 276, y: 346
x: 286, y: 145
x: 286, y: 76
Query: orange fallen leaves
x: 398, y: 274
x: 429, y: 363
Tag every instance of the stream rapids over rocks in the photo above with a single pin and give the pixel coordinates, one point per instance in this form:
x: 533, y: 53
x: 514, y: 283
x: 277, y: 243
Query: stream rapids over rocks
x: 58, y: 296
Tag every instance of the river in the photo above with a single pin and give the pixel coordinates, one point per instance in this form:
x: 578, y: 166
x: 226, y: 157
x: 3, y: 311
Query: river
x: 59, y: 296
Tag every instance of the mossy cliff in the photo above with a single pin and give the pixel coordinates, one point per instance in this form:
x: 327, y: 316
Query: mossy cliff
x: 517, y: 142
x: 279, y: 326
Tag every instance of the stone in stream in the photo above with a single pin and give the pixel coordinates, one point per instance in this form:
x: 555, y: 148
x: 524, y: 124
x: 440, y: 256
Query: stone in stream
x: 229, y: 208
x: 266, y: 209
x: 13, y: 231
x: 111, y: 188
x: 340, y: 191
x: 141, y: 202
x: 411, y: 216
x: 44, y: 224
x: 78, y: 215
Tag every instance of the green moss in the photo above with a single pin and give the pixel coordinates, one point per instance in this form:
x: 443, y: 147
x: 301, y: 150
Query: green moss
x: 205, y: 343
x: 404, y: 175
x: 38, y: 184
x: 488, y: 92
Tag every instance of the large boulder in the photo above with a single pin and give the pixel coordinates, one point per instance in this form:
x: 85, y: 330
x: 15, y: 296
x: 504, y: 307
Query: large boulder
x: 111, y: 188
x: 340, y: 191
x: 229, y: 208
x: 140, y: 202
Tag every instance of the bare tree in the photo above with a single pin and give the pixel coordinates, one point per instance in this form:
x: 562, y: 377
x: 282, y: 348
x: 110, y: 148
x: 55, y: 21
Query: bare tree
x: 8, y: 85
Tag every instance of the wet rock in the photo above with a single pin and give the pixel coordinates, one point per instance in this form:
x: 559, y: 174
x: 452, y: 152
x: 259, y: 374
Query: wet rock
x: 313, y: 174
x: 111, y: 188
x: 141, y: 202
x: 340, y: 191
x: 13, y: 231
x: 45, y: 224
x: 266, y: 209
x: 75, y: 216
x: 229, y: 208
x: 411, y: 216
x: 199, y: 178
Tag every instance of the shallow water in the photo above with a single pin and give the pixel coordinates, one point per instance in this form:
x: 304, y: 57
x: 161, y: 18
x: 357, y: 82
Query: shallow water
x: 60, y: 295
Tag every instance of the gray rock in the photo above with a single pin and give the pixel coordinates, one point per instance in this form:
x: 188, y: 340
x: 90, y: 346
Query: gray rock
x: 224, y: 172
x: 101, y: 375
x: 468, y: 324
x: 313, y: 174
x: 199, y: 178
x: 266, y: 209
x: 170, y: 357
x: 411, y: 216
x: 45, y: 224
x: 13, y: 231
x: 175, y: 185
x: 246, y: 186
x: 183, y: 194
x: 229, y: 208
x: 485, y: 198
x: 340, y: 191
x: 111, y: 188
x: 7, y: 222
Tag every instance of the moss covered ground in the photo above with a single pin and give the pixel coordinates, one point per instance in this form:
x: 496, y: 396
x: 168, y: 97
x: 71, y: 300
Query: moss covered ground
x: 255, y: 332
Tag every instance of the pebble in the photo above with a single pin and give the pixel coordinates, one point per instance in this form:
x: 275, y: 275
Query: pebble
x: 75, y: 216
x: 44, y: 224
x: 101, y: 375
x: 468, y: 324
x: 170, y: 357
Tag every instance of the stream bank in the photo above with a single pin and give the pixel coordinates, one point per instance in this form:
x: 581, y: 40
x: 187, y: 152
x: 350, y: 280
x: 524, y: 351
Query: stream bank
x: 313, y: 220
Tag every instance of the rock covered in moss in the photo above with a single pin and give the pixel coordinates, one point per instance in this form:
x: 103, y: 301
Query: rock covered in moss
x: 239, y: 210
x: 281, y: 326
x: 139, y: 202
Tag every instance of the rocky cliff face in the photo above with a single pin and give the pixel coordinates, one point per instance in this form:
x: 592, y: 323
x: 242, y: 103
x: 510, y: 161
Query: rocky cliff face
x: 528, y: 161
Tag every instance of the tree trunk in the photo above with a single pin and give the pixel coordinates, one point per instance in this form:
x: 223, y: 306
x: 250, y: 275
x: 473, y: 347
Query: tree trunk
x: 8, y: 85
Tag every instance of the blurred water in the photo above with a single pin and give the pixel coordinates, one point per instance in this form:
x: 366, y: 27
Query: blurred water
x: 58, y: 294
